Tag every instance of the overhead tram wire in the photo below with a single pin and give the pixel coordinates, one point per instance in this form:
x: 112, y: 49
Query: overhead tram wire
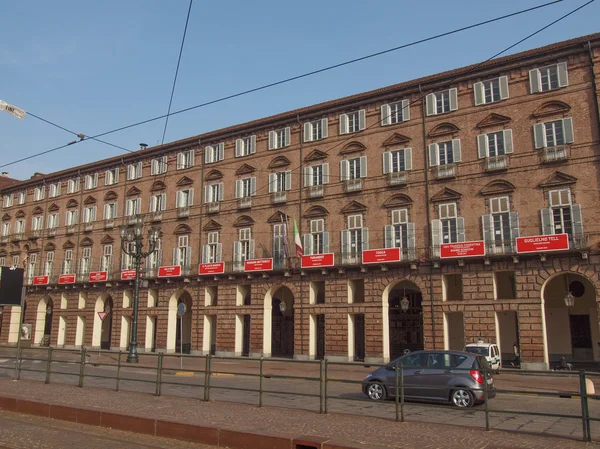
x: 176, y: 72
x: 266, y: 86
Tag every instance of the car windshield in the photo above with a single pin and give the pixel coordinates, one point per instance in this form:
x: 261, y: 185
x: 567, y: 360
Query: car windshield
x: 481, y: 350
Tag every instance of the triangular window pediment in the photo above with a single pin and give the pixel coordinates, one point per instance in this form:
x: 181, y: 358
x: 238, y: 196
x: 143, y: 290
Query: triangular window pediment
x: 277, y: 217
x: 158, y: 185
x: 38, y: 211
x: 558, y: 179
x: 279, y: 162
x: 6, y: 217
x: 551, y: 108
x: 493, y: 120
x: 446, y: 194
x: 53, y: 207
x: 353, y: 147
x: 353, y: 207
x: 134, y: 191
x: 182, y: 229
x: 396, y: 139
x: 396, y: 201
x: 497, y: 187
x: 315, y: 212
x: 315, y: 155
x: 107, y: 240
x: 111, y: 195
x: 20, y: 214
x: 443, y: 129
x: 245, y: 169
x: 90, y: 200
x: 212, y: 225
x: 72, y: 203
x: 87, y: 242
x: 185, y: 181
x: 49, y: 247
x: 213, y: 175
x: 68, y: 245
x: 243, y: 221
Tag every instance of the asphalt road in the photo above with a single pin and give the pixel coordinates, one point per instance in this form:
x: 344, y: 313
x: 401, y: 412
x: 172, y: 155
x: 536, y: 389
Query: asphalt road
x: 25, y: 432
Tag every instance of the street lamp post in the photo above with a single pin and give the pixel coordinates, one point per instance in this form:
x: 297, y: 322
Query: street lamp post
x: 134, y: 234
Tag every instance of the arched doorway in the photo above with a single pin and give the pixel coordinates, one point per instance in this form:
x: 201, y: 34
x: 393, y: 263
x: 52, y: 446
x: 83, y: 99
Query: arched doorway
x: 179, y: 332
x: 43, y: 322
x: 102, y: 334
x: 405, y: 319
x: 282, y: 323
x: 571, y: 331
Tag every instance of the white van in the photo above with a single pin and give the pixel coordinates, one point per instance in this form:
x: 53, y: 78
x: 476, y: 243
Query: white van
x: 489, y: 350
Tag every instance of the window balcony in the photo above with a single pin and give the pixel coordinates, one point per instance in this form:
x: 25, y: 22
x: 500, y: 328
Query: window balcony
x: 183, y: 212
x: 278, y: 197
x: 445, y: 171
x: 397, y: 178
x: 554, y: 154
x: 151, y: 272
x: 238, y: 266
x: 499, y: 247
x: 352, y: 258
x: 244, y: 203
x: 88, y: 227
x: 494, y: 163
x: 134, y: 219
x: 34, y: 235
x: 156, y: 216
x: 109, y: 223
x: 52, y: 232
x: 16, y: 237
x: 70, y: 229
x: 579, y: 241
x: 4, y: 239
x: 213, y: 207
x: 353, y: 185
x: 316, y: 191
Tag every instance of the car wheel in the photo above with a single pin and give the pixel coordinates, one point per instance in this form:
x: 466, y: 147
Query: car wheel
x: 376, y: 391
x: 462, y: 398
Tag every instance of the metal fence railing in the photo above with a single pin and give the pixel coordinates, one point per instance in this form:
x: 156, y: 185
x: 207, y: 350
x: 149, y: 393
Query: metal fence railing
x: 317, y: 377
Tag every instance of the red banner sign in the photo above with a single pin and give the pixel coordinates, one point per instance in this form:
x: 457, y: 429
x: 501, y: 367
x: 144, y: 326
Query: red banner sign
x: 66, y: 279
x: 381, y: 255
x: 317, y: 260
x: 212, y: 268
x: 167, y: 272
x: 98, y: 276
x: 258, y: 265
x: 462, y: 249
x: 40, y: 280
x: 542, y: 243
x: 127, y: 274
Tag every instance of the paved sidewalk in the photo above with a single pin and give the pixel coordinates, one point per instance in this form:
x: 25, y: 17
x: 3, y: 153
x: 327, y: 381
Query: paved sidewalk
x: 242, y: 426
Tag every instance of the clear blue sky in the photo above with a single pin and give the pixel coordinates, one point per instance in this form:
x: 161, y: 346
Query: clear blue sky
x: 95, y: 66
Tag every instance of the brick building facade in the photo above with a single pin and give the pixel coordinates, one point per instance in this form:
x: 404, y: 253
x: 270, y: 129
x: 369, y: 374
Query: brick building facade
x: 444, y: 175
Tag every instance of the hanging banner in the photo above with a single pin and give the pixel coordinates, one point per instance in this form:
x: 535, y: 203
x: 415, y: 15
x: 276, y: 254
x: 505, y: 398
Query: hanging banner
x: 41, y: 280
x: 66, y: 279
x: 317, y: 260
x: 98, y: 276
x: 12, y: 110
x: 258, y: 265
x: 542, y: 243
x: 170, y: 271
x: 462, y: 249
x: 127, y: 275
x: 381, y: 255
x: 212, y: 268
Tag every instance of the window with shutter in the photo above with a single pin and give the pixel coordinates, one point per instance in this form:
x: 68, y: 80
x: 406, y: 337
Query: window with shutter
x: 448, y: 223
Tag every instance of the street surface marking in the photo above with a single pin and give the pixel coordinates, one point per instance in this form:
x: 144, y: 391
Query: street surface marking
x: 4, y: 360
x: 184, y: 373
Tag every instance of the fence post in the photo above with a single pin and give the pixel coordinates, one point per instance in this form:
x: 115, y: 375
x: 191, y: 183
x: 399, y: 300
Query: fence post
x: 159, y: 374
x: 397, y: 391
x: 402, y: 392
x: 585, y: 416
x: 485, y: 399
x: 325, y: 394
x: 82, y: 367
x: 118, y: 371
x: 19, y: 363
x: 260, y: 381
x: 321, y: 385
x: 48, y: 365
x: 207, y: 378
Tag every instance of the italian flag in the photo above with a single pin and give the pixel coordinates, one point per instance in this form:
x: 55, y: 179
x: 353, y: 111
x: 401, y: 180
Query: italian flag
x: 298, y: 241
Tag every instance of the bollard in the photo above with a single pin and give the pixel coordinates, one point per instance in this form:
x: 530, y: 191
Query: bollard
x: 118, y: 371
x: 19, y: 363
x: 325, y: 395
x: 402, y: 392
x: 485, y: 399
x: 48, y: 365
x: 207, y: 378
x: 260, y: 383
x: 397, y: 391
x: 159, y: 374
x: 82, y: 367
x: 585, y: 414
x: 321, y: 385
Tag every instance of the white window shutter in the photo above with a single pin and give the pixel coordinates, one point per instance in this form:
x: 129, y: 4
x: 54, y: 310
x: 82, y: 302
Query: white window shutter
x: 253, y: 186
x: 192, y: 155
x: 154, y: 167
x: 308, y: 244
x: 344, y: 170
x: 365, y: 238
x: 178, y: 199
x: 411, y: 242
x: 535, y: 83
x: 514, y: 225
x: 508, y: 141
x: 453, y: 99
x: 106, y: 211
x: 179, y: 161
x: 434, y: 155
x: 191, y: 198
x: 460, y: 229
x: 363, y: 166
x: 431, y: 104
x: 389, y: 236
x: 568, y: 129
x: 387, y: 162
x: 288, y: 136
x: 272, y: 182
x: 539, y: 135
x: 95, y: 180
x: 208, y: 154
x: 577, y: 220
x: 94, y: 209
x: 237, y: 251
x: 546, y: 219
x: 238, y: 188
x: 324, y: 127
x: 345, y: 245
x: 479, y: 93
x: 272, y: 139
x: 385, y: 114
x: 503, y: 87
x: 219, y: 255
x: 239, y: 143
x: 482, y: 146
x: 405, y: 110
x: 221, y: 151
x: 253, y: 143
x: 362, y: 119
x: 307, y: 176
x: 207, y: 191
x: 325, y: 168
x: 563, y: 77
x: 288, y: 180
x: 456, y: 152
x: 408, y: 159
x: 164, y: 161
x: 436, y: 236
x: 343, y: 124
x: 488, y: 235
x: 325, y: 242
x: 251, y: 246
x: 107, y: 178
x: 221, y: 189
x: 205, y: 253
x: 307, y: 132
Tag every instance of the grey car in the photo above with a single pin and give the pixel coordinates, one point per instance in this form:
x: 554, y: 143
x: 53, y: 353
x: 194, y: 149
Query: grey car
x: 440, y: 376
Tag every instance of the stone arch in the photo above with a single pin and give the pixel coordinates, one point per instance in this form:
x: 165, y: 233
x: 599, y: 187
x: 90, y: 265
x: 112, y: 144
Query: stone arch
x: 43, y: 320
x: 177, y: 335
x: 270, y: 294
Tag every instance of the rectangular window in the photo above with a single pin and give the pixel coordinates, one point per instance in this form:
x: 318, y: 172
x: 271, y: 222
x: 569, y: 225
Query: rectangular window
x: 159, y: 165
x: 278, y: 245
x: 212, y: 251
x: 133, y: 207
x: 127, y: 260
x: 213, y: 193
x: 352, y: 122
x: 111, y: 176
x: 245, y: 146
x: 280, y: 138
x: 553, y: 133
x: 316, y: 130
x: 134, y: 171
x: 106, y: 261
x: 214, y: 153
x: 110, y: 211
x: 7, y: 200
x: 91, y: 181
x: 155, y: 259
x: 158, y: 203
x: 563, y: 217
x: 6, y: 228
x: 495, y: 144
x: 445, y: 153
x: 37, y: 223
x: 185, y: 198
x: 31, y: 266
x: 185, y: 159
x: 491, y: 91
x: 15, y: 261
x: 49, y: 266
x: 2, y: 261
x: 71, y: 218
x: 500, y: 222
x: 245, y: 188
x: 394, y: 113
x: 317, y: 228
x: 86, y: 261
x: 442, y: 102
x: 548, y: 78
x: 54, y: 190
x: 67, y: 266
x: 181, y: 254
x: 73, y: 185
x: 38, y: 193
x: 449, y: 222
x: 280, y: 182
x: 316, y: 175
x: 89, y: 214
x: 243, y: 248
x: 354, y: 240
x: 19, y: 226
x: 397, y: 161
x: 22, y: 197
x: 53, y: 221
